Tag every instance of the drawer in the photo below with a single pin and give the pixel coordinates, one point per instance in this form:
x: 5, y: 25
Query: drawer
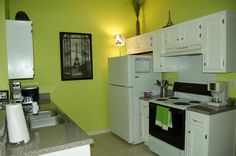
x: 197, y: 119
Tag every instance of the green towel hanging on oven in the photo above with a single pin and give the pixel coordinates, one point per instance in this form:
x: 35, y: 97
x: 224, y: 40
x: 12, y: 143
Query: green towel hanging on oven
x: 163, y: 117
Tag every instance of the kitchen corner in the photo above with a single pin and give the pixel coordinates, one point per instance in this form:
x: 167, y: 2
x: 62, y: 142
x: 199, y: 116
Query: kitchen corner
x: 64, y: 137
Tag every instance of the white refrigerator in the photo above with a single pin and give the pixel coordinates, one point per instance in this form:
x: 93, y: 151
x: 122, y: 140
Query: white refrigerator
x: 129, y: 77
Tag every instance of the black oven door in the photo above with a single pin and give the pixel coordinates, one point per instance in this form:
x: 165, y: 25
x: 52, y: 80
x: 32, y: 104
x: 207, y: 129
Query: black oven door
x: 175, y: 135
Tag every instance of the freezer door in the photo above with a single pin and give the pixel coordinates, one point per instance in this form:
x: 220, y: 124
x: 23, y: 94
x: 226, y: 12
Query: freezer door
x: 121, y: 119
x: 119, y: 71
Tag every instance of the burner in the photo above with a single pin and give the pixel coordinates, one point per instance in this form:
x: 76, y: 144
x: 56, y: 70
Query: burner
x: 173, y: 97
x: 194, y: 102
x: 160, y: 99
x: 181, y: 103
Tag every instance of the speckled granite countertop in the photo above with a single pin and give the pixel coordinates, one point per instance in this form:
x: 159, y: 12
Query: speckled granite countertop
x: 50, y: 139
x: 211, y: 110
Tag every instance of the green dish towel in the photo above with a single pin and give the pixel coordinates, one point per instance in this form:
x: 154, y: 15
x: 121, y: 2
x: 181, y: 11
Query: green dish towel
x: 163, y: 117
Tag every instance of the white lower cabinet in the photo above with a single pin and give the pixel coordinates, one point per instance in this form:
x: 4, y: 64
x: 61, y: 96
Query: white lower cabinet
x: 210, y: 135
x: 197, y: 141
x: 144, y: 121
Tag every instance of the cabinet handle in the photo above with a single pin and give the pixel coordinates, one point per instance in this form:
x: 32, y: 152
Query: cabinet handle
x: 161, y: 65
x: 204, y: 64
x: 194, y: 120
x: 151, y: 44
x: 200, y: 35
x: 177, y: 39
x: 182, y: 38
x: 223, y: 63
x: 189, y: 131
x: 200, y: 26
x: 205, y: 136
x: 186, y: 47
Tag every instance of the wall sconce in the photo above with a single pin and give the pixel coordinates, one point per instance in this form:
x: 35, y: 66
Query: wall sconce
x: 119, y: 40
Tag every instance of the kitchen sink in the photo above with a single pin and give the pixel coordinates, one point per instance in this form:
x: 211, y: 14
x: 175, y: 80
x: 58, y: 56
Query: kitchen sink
x: 45, y: 119
x: 43, y: 114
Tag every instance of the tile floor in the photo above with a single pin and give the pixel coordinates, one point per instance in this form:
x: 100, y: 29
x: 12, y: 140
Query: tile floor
x: 110, y: 145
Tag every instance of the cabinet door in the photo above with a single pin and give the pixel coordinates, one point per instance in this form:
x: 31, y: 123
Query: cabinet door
x: 19, y: 49
x: 171, y: 36
x: 131, y: 45
x: 162, y: 64
x: 214, y: 54
x: 145, y: 42
x: 191, y: 33
x: 144, y: 121
x: 197, y: 141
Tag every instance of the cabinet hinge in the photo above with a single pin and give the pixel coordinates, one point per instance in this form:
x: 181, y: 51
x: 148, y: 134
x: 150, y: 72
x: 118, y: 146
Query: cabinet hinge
x: 223, y: 21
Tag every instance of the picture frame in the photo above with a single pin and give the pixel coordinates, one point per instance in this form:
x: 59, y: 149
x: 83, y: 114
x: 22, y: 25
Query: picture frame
x: 76, y: 56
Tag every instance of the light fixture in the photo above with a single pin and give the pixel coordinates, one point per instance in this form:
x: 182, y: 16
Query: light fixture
x: 119, y: 40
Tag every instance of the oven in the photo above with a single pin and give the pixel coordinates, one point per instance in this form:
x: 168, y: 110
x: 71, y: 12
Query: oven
x: 174, y: 136
x: 171, y: 140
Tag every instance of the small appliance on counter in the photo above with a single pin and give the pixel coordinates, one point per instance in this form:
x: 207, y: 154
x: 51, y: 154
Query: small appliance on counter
x: 30, y: 98
x: 30, y: 91
x: 4, y: 98
x: 16, y: 124
x: 219, y: 93
x: 16, y: 91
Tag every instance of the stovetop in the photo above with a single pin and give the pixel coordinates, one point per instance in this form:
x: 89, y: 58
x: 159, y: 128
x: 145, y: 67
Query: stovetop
x: 174, y: 102
x: 185, y: 95
x: 181, y: 101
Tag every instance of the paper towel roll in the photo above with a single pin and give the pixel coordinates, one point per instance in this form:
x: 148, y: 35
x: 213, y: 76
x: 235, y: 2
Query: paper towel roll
x: 16, y: 124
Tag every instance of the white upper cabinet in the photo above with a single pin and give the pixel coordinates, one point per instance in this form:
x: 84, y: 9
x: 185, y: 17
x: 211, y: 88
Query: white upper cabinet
x: 19, y: 49
x: 162, y: 64
x: 183, y: 39
x: 220, y: 36
x: 140, y: 44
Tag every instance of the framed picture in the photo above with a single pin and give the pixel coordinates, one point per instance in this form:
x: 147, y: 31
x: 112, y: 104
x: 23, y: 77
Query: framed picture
x: 76, y: 56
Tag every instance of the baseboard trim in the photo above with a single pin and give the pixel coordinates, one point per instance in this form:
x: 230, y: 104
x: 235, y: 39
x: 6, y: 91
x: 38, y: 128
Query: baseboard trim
x: 99, y: 132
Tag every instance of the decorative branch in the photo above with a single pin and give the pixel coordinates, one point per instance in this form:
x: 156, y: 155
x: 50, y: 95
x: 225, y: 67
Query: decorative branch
x: 137, y: 4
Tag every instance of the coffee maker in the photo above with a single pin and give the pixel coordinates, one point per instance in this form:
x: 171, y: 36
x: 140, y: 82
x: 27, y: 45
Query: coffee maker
x: 219, y: 93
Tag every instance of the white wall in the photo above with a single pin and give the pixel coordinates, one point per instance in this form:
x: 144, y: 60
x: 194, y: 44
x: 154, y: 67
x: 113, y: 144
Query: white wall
x: 190, y: 70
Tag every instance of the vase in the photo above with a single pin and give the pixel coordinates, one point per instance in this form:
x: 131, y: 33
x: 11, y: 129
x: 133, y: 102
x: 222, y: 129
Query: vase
x: 137, y: 27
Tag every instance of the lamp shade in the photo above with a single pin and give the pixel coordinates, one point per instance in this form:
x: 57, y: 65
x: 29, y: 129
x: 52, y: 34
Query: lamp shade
x: 119, y: 40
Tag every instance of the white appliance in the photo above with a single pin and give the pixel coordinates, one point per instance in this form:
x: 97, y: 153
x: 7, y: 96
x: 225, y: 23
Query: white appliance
x: 16, y: 124
x: 171, y: 141
x: 129, y: 77
x: 219, y: 93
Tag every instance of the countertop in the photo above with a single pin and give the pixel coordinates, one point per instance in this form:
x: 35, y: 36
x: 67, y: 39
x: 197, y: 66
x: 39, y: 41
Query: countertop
x: 211, y: 110
x: 50, y: 139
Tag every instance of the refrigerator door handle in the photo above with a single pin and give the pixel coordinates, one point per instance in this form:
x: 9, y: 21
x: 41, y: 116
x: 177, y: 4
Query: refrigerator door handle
x: 122, y: 86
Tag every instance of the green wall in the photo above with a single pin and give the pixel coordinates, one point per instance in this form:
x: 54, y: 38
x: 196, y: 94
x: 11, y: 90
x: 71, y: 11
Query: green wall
x: 3, y: 56
x: 86, y: 101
